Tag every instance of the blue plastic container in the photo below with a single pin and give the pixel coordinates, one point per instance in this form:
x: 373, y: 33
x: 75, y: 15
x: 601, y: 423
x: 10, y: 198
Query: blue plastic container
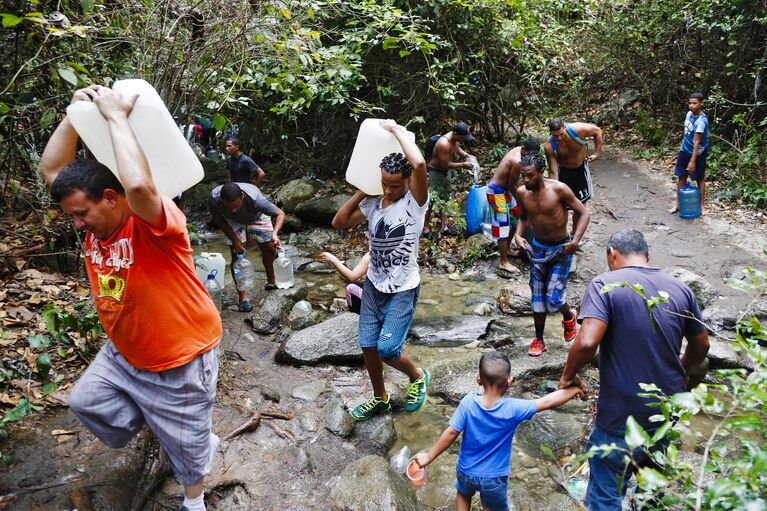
x: 689, y: 201
x: 476, y: 209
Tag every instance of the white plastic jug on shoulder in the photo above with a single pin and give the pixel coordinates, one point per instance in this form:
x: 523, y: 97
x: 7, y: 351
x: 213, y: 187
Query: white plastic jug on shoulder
x: 373, y: 143
x: 174, y: 166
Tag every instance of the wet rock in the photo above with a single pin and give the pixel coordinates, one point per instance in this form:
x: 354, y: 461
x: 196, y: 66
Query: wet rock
x: 500, y: 332
x: 482, y: 309
x: 368, y: 484
x: 721, y: 355
x: 304, y: 322
x: 721, y: 317
x: 328, y: 288
x: 515, y: 299
x: 704, y: 292
x: 321, y: 211
x: 315, y: 267
x: 273, y: 309
x: 339, y: 305
x: 554, y: 429
x: 333, y: 341
x: 379, y: 429
x: 456, y: 376
x: 215, y: 170
x: 310, y: 391
x: 336, y: 417
x: 294, y: 193
x: 454, y: 331
x: 292, y: 224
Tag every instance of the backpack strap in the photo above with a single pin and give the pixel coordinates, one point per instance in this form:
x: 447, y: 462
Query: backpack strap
x: 554, y: 146
x: 574, y: 135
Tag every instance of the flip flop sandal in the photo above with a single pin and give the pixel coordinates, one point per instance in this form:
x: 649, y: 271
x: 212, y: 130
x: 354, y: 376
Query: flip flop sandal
x: 270, y: 287
x: 245, y: 306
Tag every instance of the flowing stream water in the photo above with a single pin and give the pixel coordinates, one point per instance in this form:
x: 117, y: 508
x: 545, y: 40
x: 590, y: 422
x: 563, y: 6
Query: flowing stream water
x: 536, y: 482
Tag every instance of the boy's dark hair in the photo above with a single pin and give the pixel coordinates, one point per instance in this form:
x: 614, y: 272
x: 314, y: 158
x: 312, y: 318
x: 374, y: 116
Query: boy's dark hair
x: 230, y: 192
x: 494, y: 368
x: 697, y: 95
x: 234, y: 141
x: 534, y: 159
x: 628, y: 241
x: 90, y: 176
x: 556, y: 124
x: 532, y: 144
x: 396, y: 163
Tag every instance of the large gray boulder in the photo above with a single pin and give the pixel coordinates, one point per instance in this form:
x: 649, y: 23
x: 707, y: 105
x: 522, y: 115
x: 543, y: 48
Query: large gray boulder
x: 273, y: 308
x: 555, y: 429
x: 704, y: 292
x: 379, y: 430
x: 454, y: 331
x: 332, y: 341
x: 368, y: 484
x: 321, y: 211
x: 294, y: 193
x: 515, y: 299
x: 456, y: 376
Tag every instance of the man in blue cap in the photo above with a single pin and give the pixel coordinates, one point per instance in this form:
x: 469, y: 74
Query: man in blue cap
x: 446, y: 151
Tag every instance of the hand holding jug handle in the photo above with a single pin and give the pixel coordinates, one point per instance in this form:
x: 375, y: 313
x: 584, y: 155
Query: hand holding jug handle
x: 87, y: 94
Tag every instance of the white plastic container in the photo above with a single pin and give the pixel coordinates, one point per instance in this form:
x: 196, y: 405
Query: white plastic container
x: 174, y: 165
x: 206, y: 262
x: 373, y: 143
x: 283, y: 271
x: 301, y: 309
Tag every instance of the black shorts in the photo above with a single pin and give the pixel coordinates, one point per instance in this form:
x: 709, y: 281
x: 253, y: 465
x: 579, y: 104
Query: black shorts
x: 578, y: 179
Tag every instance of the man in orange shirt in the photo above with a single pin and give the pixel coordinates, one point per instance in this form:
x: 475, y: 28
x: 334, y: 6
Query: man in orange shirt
x: 161, y: 372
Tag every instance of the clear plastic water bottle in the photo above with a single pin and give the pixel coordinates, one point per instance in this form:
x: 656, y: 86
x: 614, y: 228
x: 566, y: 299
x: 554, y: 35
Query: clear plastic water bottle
x: 301, y: 309
x: 283, y: 271
x: 400, y: 461
x: 244, y: 274
x: 214, y: 290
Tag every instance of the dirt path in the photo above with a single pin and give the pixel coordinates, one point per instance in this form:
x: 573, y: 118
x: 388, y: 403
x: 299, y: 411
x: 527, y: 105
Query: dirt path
x: 629, y: 195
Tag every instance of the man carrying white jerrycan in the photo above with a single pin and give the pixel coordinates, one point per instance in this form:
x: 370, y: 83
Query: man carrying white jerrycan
x: 395, y: 221
x: 245, y: 216
x: 160, y: 364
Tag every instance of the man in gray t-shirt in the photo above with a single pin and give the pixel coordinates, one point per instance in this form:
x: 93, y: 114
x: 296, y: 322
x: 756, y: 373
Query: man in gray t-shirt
x: 245, y: 216
x: 635, y: 346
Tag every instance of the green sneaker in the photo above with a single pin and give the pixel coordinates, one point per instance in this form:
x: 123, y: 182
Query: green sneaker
x: 416, y: 393
x: 372, y: 406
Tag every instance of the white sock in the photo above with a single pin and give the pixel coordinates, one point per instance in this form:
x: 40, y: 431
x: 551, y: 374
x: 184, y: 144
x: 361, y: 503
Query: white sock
x: 197, y: 504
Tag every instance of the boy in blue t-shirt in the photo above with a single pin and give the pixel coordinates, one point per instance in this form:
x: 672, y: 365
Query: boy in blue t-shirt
x: 694, y: 150
x: 488, y: 421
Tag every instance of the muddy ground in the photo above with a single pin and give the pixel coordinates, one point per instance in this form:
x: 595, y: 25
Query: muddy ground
x: 289, y: 464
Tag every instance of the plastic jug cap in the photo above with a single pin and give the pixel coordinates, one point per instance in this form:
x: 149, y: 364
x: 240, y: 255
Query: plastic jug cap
x: 241, y: 255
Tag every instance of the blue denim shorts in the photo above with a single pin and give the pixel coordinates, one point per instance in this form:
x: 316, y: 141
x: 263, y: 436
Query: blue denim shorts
x: 493, y: 491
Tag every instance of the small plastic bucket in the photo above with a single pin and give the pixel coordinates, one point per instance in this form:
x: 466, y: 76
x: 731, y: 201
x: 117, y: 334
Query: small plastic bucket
x: 416, y: 474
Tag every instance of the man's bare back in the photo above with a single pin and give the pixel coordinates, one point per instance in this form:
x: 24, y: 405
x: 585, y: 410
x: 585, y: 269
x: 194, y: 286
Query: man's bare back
x: 507, y: 173
x: 446, y: 150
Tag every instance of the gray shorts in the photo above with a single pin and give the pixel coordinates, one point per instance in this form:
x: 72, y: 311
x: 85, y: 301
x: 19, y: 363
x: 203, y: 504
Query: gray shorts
x: 113, y: 399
